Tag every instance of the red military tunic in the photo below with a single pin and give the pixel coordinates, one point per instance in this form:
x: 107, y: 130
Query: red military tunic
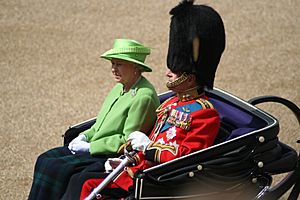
x: 182, y: 127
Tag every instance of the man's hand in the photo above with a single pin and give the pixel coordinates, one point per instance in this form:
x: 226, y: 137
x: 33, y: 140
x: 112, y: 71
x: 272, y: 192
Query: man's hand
x: 111, y: 164
x: 139, y: 141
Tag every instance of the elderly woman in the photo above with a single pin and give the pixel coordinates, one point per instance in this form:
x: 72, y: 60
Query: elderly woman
x: 130, y: 106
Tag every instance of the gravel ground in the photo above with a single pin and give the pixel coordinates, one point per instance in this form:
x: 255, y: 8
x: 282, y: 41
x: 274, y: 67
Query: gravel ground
x: 51, y: 75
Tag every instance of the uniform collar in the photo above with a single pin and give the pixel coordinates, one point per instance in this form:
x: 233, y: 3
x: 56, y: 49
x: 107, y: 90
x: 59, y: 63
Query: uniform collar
x: 190, y: 94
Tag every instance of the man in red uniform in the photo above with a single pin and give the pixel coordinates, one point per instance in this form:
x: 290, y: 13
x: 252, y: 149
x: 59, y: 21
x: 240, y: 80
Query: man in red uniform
x: 186, y: 122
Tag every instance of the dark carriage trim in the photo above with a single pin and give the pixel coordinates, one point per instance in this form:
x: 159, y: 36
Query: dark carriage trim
x: 140, y: 182
x: 292, y: 180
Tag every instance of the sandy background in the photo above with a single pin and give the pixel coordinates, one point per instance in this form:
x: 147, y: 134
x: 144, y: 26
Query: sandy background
x: 51, y: 76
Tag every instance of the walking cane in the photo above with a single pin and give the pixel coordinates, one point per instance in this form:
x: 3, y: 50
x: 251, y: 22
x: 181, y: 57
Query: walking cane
x: 125, y: 162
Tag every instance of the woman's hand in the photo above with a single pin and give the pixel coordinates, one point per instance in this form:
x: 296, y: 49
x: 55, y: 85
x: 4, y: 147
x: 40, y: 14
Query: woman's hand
x: 78, y: 138
x: 79, y: 146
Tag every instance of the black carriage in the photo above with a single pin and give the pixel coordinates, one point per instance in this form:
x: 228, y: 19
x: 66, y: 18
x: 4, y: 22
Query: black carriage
x: 240, y: 165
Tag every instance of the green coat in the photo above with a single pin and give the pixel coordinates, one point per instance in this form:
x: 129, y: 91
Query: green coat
x: 121, y: 114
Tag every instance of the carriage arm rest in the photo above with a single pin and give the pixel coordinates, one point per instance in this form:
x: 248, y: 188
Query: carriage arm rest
x: 263, y: 99
x: 74, y: 130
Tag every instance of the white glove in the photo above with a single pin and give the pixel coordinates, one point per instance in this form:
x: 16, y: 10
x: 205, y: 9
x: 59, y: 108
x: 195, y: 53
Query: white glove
x: 139, y: 141
x: 79, y: 146
x: 78, y: 138
x: 111, y: 164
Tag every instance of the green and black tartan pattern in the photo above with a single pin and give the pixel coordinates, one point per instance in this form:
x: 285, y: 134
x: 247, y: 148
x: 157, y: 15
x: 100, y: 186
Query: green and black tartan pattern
x: 53, y: 170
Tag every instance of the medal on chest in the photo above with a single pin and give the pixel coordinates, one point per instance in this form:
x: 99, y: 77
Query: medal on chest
x: 163, y: 113
x: 172, y: 116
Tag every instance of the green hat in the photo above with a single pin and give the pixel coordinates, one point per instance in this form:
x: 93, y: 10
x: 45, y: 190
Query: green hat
x: 129, y: 50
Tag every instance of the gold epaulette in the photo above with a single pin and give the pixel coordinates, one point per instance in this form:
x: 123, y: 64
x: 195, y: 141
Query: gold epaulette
x: 204, y: 103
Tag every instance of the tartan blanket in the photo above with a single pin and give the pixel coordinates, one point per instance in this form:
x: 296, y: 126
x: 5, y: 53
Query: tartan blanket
x: 53, y: 170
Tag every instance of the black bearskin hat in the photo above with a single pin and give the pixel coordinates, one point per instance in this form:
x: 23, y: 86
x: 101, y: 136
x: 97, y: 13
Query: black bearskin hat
x: 196, y: 41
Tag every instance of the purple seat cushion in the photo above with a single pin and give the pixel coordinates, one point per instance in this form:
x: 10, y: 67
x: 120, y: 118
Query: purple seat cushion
x: 242, y: 121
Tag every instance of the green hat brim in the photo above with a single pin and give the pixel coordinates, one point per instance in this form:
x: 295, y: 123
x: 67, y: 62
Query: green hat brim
x: 118, y: 56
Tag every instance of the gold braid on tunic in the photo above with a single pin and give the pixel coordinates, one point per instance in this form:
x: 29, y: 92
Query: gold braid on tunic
x: 192, y: 93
